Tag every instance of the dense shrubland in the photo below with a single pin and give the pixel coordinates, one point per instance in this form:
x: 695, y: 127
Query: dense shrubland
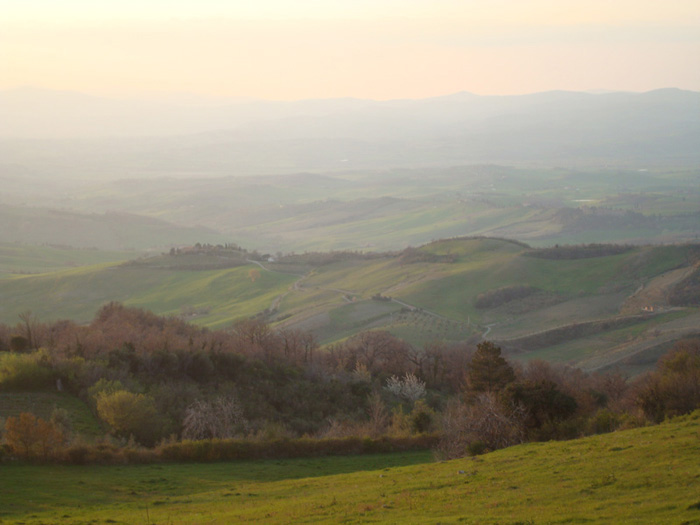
x: 155, y: 381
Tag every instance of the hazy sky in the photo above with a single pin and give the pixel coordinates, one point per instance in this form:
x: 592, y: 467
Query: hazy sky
x: 381, y: 49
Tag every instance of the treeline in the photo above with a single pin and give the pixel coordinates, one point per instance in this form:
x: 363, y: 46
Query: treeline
x: 499, y: 296
x: 152, y: 380
x: 581, y: 251
x: 415, y: 255
x: 324, y: 258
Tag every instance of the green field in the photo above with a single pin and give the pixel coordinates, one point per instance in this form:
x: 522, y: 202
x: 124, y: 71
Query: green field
x: 645, y: 475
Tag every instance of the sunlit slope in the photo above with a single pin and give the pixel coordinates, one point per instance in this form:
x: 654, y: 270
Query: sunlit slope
x: 570, y: 301
x: 390, y: 223
x: 28, y: 259
x: 644, y: 475
x: 482, y: 265
x: 210, y: 297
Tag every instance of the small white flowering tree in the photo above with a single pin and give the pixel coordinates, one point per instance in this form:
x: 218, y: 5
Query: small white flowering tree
x: 409, y: 388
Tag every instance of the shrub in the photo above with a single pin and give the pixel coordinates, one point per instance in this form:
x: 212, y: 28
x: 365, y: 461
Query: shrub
x: 605, y: 421
x: 130, y: 414
x: 30, y: 437
x: 422, y: 418
x: 25, y: 371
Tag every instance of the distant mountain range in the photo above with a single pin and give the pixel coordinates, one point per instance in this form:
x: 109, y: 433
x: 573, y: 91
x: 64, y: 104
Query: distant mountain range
x: 63, y: 132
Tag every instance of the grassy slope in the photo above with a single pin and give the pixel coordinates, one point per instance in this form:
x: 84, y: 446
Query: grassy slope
x: 646, y: 475
x: 487, y: 264
x: 583, y: 289
x: 108, y: 231
x: 229, y: 294
x: 26, y: 259
x: 42, y: 405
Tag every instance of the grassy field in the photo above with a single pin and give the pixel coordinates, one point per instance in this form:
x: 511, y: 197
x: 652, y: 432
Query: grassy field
x: 646, y: 475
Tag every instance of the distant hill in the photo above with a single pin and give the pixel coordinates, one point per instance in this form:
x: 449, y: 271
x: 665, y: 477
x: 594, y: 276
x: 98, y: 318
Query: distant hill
x: 372, y: 210
x: 112, y: 137
x: 107, y: 231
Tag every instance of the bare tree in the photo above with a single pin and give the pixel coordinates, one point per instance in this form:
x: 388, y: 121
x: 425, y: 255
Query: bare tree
x: 220, y: 418
x: 486, y: 422
x: 30, y: 322
x: 378, y: 415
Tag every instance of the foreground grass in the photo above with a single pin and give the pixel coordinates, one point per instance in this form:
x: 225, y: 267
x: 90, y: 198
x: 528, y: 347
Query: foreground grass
x: 647, y: 475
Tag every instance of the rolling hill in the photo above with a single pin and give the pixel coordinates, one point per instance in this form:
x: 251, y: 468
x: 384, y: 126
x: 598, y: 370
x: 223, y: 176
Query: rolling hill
x: 357, y: 210
x: 595, y: 306
x: 252, y: 137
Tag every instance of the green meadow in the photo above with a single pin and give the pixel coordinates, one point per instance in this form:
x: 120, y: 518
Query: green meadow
x: 643, y: 475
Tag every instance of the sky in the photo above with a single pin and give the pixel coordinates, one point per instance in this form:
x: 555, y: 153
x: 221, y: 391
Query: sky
x: 376, y: 49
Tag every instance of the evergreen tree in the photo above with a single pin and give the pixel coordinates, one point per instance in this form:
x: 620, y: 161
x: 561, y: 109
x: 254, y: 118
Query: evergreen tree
x: 488, y: 370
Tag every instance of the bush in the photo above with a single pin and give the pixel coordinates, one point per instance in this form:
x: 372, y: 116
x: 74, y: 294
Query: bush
x: 130, y: 414
x: 605, y: 421
x: 30, y: 437
x: 25, y: 371
x: 485, y: 424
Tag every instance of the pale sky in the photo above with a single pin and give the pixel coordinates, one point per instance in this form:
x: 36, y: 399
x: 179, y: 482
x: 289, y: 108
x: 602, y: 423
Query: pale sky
x: 379, y: 49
